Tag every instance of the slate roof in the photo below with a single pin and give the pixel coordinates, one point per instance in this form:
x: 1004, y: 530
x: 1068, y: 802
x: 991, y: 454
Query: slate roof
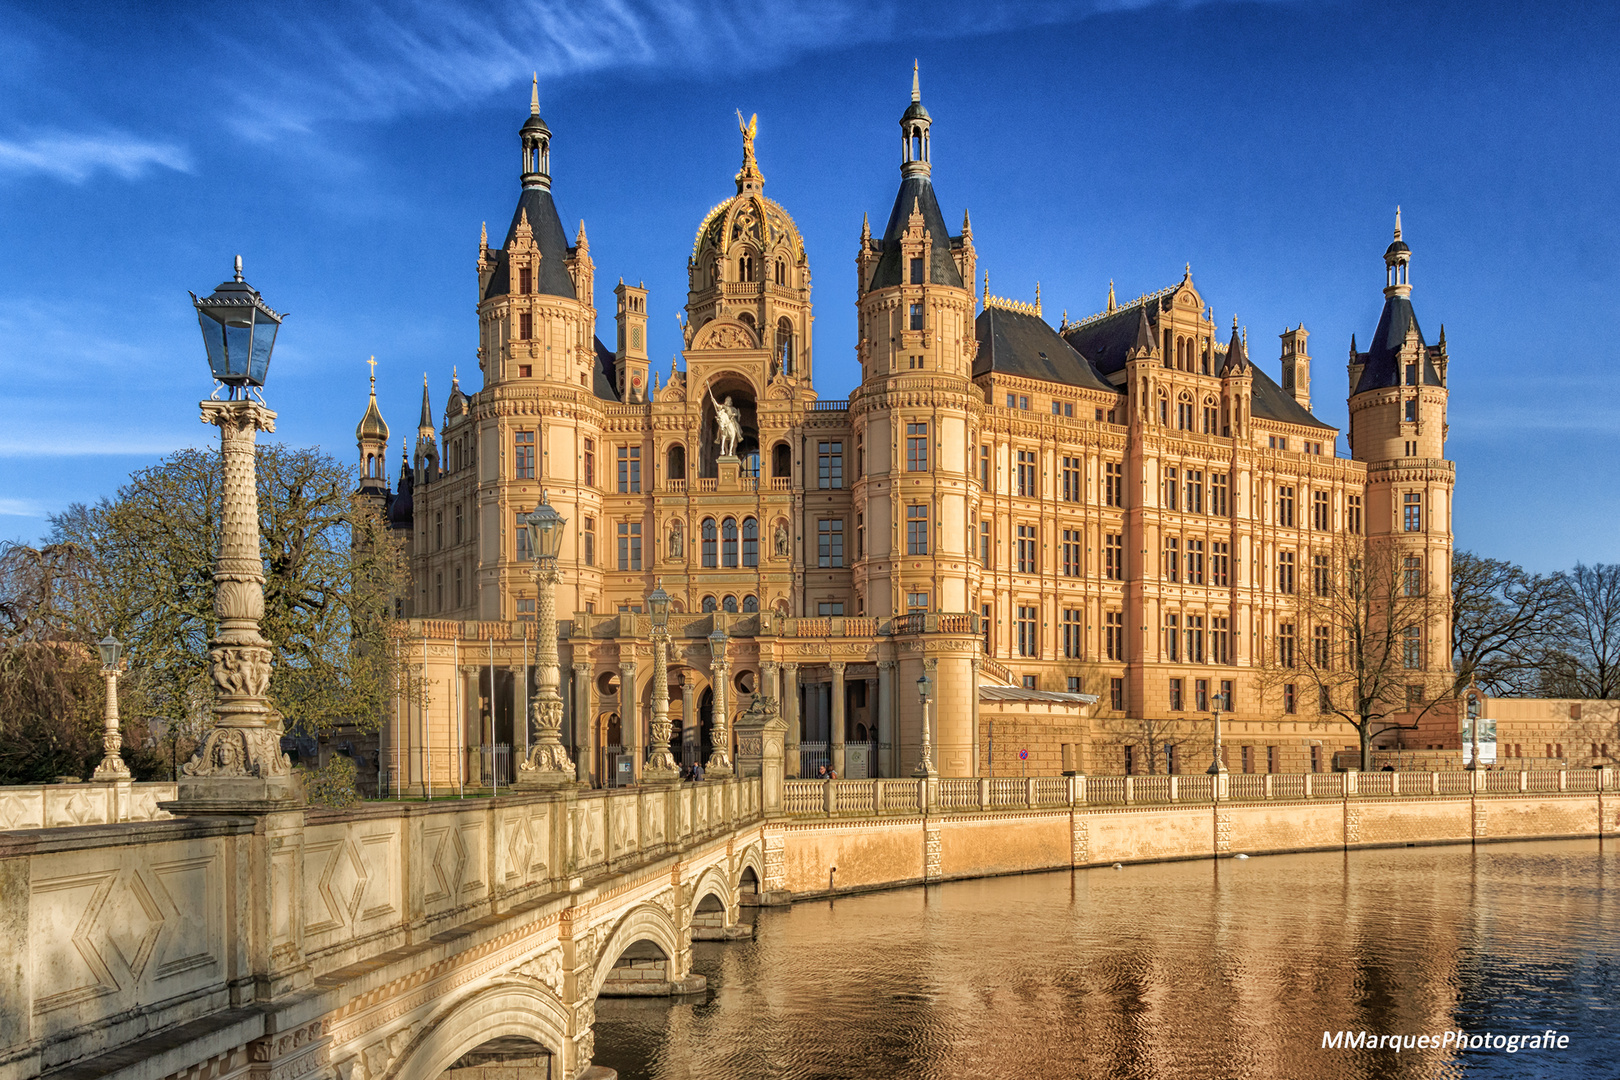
x: 1046, y: 697
x: 1382, y: 361
x: 1106, y: 341
x: 1015, y: 343
x: 1271, y: 402
x: 918, y: 191
x: 602, y: 383
x: 548, y: 236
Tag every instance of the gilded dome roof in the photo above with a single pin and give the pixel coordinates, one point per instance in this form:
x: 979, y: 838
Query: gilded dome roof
x: 372, y: 425
x: 750, y: 216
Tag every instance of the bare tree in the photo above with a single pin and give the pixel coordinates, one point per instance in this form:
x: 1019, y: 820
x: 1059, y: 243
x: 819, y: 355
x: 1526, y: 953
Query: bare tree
x: 1501, y: 620
x: 1150, y: 736
x: 1582, y: 659
x: 1358, y: 644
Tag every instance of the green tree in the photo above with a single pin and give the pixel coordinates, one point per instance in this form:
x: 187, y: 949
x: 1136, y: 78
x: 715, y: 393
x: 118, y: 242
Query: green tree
x: 332, y: 569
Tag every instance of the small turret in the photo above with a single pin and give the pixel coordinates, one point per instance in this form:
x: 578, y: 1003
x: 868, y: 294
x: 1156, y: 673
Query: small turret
x: 371, y: 434
x: 1296, y: 365
x: 427, y: 445
x: 630, y: 361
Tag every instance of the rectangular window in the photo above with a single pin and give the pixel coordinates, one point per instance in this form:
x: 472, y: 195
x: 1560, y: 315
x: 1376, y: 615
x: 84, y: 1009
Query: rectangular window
x: 1413, y: 511
x: 1229, y: 695
x: 1247, y: 754
x: 916, y: 316
x: 711, y: 543
x: 520, y: 535
x: 1411, y: 410
x: 1026, y: 473
x: 1130, y: 761
x: 589, y: 471
x: 1195, y: 639
x: 916, y: 601
x: 984, y: 543
x: 1116, y: 694
x: 459, y: 601
x: 1195, y: 492
x: 1175, y: 695
x: 629, y: 470
x: 1352, y: 514
x: 1114, y: 635
x: 1285, y: 507
x: 1195, y: 562
x: 523, y: 455
x: 1171, y: 489
x: 1285, y: 572
x: 526, y: 280
x: 1071, y: 479
x: 1028, y: 643
x: 917, y: 529
x: 1321, y: 519
x: 860, y: 536
x: 1012, y: 401
x: 1172, y: 637
x: 1071, y: 552
x: 459, y: 532
x: 525, y: 326
x: 832, y: 608
x: 917, y: 272
x: 1412, y: 575
x: 1321, y: 575
x: 1072, y: 630
x: 1322, y: 648
x: 1217, y: 494
x: 1113, y: 484
x: 1023, y: 402
x: 525, y: 609
x: 1201, y: 695
x: 917, y: 447
x: 984, y: 467
x: 1076, y: 684
x: 438, y: 529
x: 1114, y: 557
x: 629, y: 545
x: 1412, y: 647
x: 1285, y: 644
x: 988, y: 626
x: 830, y: 464
x: 1324, y: 701
x: 1220, y: 640
x: 1271, y: 759
x: 1288, y: 699
x: 1172, y: 559
x: 1220, y: 564
x: 830, y: 542
x: 590, y: 540
x: 1026, y: 549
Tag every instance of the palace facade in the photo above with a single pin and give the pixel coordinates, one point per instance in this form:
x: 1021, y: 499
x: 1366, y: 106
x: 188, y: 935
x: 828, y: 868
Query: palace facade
x: 1083, y: 534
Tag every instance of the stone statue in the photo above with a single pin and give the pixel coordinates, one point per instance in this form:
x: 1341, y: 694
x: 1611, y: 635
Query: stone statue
x: 728, y: 425
x: 784, y: 542
x: 677, y: 540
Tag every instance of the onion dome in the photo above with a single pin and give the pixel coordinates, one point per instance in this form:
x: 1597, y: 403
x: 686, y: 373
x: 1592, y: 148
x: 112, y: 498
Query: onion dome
x: 372, y: 425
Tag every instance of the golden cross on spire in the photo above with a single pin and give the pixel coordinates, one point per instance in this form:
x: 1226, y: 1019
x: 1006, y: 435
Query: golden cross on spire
x: 373, y: 363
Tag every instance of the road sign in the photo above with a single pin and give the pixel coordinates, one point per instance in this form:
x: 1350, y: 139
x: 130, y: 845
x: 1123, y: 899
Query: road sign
x: 1023, y: 755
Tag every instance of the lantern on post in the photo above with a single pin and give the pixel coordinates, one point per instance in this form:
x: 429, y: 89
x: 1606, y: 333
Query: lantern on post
x: 239, y: 332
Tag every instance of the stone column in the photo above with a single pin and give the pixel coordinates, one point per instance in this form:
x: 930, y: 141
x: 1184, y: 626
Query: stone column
x: 112, y: 767
x: 790, y: 697
x: 836, y: 737
x: 661, y: 767
x: 239, y: 762
x: 691, y: 726
x: 548, y: 764
x: 769, y: 687
x: 974, y: 690
x: 719, y: 763
x: 584, y: 736
x: 629, y: 709
x: 874, y: 768
x: 885, y: 721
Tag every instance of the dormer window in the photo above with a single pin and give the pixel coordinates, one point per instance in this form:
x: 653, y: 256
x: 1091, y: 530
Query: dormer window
x: 1411, y: 375
x: 917, y: 271
x: 525, y: 280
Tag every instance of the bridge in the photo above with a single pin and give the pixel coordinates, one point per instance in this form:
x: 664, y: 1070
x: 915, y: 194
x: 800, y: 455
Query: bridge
x: 420, y: 940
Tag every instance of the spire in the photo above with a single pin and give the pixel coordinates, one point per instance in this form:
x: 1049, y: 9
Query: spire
x: 1397, y: 221
x: 372, y: 426
x: 749, y: 177
x: 915, y: 151
x: 967, y: 225
x: 866, y: 230
x: 1037, y: 298
x: 1143, y: 345
x: 1397, y: 264
x: 1352, y: 345
x: 426, y: 422
x: 1111, y: 305
x: 536, y: 139
x: 483, y: 236
x: 1237, y: 353
x: 916, y: 94
x: 580, y: 242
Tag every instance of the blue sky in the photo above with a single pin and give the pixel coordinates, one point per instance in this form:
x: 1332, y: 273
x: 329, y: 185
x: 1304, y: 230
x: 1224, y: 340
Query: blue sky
x: 349, y: 153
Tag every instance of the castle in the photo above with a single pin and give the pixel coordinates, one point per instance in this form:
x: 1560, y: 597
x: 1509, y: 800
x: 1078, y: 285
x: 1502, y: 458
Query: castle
x: 1084, y: 536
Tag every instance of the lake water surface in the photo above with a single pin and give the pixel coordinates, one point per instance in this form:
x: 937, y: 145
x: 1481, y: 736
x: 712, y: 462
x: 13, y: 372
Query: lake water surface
x: 1177, y: 970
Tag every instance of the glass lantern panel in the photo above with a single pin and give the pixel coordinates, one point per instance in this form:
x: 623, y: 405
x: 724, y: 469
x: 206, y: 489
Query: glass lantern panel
x: 264, y: 339
x: 238, y: 347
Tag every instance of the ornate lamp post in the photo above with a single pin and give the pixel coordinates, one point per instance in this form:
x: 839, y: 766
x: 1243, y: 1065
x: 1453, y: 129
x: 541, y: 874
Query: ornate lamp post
x: 661, y: 767
x: 719, y: 765
x: 548, y: 764
x: 1473, y: 712
x: 925, y: 767
x: 239, y: 761
x: 112, y: 766
x: 1217, y: 767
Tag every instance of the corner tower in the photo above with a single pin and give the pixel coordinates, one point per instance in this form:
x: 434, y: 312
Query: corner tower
x: 1398, y: 426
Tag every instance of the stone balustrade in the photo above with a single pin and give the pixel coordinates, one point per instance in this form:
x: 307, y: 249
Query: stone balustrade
x: 50, y: 806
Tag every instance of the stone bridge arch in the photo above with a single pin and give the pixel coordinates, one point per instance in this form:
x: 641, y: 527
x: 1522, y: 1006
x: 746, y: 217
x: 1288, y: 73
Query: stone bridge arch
x: 648, y: 924
x: 506, y: 1009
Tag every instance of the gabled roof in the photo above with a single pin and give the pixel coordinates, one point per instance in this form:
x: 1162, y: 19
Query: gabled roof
x: 553, y: 279
x: 919, y: 192
x: 1106, y: 340
x: 1016, y: 343
x: 1381, y: 362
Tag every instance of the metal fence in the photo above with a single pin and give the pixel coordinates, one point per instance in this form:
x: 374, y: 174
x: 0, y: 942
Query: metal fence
x: 445, y: 771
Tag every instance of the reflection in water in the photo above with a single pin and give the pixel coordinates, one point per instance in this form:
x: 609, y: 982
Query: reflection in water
x: 1191, y: 969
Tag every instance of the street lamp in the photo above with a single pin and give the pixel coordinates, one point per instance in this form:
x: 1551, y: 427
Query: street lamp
x: 661, y: 767
x: 719, y: 765
x: 112, y: 766
x: 239, y: 331
x: 925, y: 767
x: 1217, y: 767
x: 548, y: 764
x: 239, y: 763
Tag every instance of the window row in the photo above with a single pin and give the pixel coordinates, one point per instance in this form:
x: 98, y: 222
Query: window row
x: 750, y: 604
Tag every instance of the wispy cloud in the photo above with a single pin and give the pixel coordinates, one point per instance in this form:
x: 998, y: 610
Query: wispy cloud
x: 76, y: 158
x: 27, y: 508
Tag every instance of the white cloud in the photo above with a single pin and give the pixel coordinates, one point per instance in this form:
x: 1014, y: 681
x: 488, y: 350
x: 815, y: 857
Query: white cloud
x: 27, y: 508
x: 76, y: 158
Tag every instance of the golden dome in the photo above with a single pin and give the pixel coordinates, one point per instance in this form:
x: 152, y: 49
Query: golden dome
x: 372, y: 425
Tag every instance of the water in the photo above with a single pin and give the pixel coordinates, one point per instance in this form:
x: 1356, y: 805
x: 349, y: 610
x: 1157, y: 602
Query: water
x: 1194, y: 969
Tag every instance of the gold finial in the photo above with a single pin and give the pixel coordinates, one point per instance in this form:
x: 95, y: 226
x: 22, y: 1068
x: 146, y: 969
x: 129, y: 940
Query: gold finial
x: 373, y: 363
x: 1111, y: 305
x: 483, y: 234
x: 534, y: 96
x: 1397, y: 222
x: 916, y: 87
x: 1037, y: 298
x: 750, y: 168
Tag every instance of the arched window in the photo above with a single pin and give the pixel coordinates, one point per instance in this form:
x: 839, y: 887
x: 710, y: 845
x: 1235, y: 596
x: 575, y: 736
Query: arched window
x: 784, y: 345
x: 750, y: 604
x: 750, y: 538
x: 710, y: 538
x: 1164, y: 409
x: 729, y: 604
x: 1211, y: 416
x: 708, y: 604
x: 728, y: 543
x: 781, y: 460
x: 916, y: 144
x: 781, y: 271
x: 1181, y: 354
x: 1184, y: 412
x: 676, y: 466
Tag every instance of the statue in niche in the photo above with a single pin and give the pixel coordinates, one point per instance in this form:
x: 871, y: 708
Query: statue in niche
x: 677, y: 540
x: 728, y: 425
x: 784, y: 541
